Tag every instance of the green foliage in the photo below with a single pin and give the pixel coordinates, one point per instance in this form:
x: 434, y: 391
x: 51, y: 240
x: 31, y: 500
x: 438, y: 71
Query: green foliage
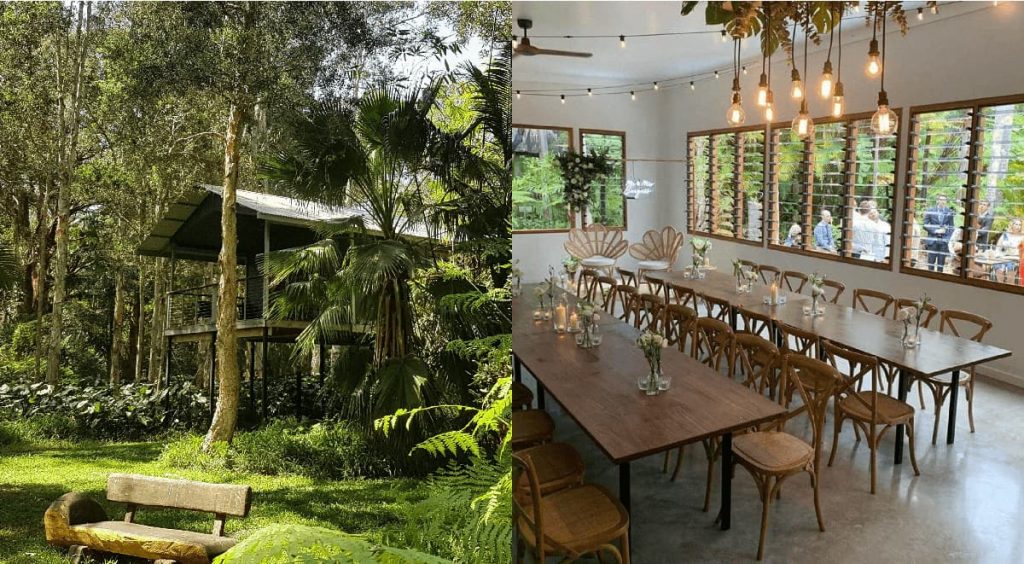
x: 286, y: 544
x: 538, y: 201
x: 131, y: 411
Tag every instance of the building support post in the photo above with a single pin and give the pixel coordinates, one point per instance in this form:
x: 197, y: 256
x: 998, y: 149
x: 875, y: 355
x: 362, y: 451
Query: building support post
x: 263, y: 404
x: 213, y: 373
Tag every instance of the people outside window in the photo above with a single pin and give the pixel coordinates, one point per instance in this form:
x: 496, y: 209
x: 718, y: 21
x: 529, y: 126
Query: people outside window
x: 938, y: 224
x: 985, y: 217
x: 793, y: 239
x: 1009, y: 246
x: 880, y: 235
x: 862, y: 234
x: 914, y: 245
x: 824, y: 239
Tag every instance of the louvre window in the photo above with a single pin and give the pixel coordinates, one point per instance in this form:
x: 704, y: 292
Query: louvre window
x: 725, y: 177
x: 607, y: 203
x: 537, y: 198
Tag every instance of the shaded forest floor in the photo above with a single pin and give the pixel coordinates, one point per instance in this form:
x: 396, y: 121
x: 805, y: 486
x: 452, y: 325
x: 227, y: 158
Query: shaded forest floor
x: 31, y: 477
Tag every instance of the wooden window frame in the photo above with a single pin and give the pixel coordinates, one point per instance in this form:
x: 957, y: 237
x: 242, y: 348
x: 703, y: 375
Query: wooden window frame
x: 807, y: 219
x: 571, y: 147
x: 625, y: 210
x: 737, y: 211
x: 970, y: 191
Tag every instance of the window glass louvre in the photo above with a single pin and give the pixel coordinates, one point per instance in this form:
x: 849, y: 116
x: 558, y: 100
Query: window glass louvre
x: 789, y: 184
x: 874, y: 179
x: 607, y: 204
x: 725, y: 177
x: 723, y: 184
x: 751, y: 159
x: 537, y: 198
x: 699, y: 163
x: 829, y: 194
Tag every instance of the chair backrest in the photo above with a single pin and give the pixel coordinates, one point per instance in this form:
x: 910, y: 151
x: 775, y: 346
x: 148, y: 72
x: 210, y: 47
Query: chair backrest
x: 794, y: 281
x: 627, y: 276
x: 796, y: 340
x: 606, y: 288
x: 588, y: 278
x: 758, y: 362
x: 148, y: 491
x: 769, y: 273
x: 679, y: 323
x: 658, y: 245
x: 713, y: 343
x: 964, y: 324
x: 595, y: 240
x: 717, y: 309
x: 526, y: 501
x: 649, y: 312
x: 930, y: 311
x: 836, y: 286
x: 857, y: 367
x: 872, y: 301
x: 683, y: 295
x: 755, y: 322
x: 626, y: 295
x: 750, y: 265
x: 657, y: 287
x: 817, y: 382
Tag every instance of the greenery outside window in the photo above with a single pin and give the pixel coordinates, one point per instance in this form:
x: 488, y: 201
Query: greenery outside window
x: 537, y: 194
x: 832, y: 195
x: 964, y: 207
x: 725, y: 176
x: 607, y: 202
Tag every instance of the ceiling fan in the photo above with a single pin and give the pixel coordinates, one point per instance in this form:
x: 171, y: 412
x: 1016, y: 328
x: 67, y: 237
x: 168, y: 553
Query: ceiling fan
x: 525, y: 48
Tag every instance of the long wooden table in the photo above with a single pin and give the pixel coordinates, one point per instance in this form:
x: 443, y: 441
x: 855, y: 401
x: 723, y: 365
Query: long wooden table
x: 598, y: 389
x: 870, y: 334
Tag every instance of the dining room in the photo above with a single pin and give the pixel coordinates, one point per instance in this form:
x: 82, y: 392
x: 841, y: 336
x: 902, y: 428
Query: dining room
x: 755, y: 241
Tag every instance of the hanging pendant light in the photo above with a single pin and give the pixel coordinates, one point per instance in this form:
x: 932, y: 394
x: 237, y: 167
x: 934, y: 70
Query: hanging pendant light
x: 803, y: 125
x: 769, y: 97
x: 769, y: 108
x: 735, y: 114
x: 796, y: 89
x: 838, y: 101
x: 885, y: 121
x: 762, y: 90
x: 874, y: 64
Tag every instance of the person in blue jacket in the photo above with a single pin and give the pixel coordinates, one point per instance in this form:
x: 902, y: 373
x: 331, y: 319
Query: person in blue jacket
x: 824, y: 240
x: 938, y: 225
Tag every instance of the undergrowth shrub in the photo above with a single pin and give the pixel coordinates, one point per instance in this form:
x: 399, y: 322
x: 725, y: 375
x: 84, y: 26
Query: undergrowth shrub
x: 301, y: 543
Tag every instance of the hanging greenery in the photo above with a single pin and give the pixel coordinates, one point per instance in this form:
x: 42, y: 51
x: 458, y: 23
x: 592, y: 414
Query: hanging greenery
x: 750, y: 19
x: 579, y: 172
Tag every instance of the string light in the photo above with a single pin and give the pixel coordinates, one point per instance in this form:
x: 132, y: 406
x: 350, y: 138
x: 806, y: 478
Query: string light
x: 724, y: 36
x: 632, y: 95
x: 920, y: 14
x: 769, y: 97
x: 515, y: 41
x: 590, y: 92
x: 622, y: 41
x: 716, y: 74
x: 826, y: 71
x: 563, y: 98
x: 803, y: 125
x: 519, y: 95
x: 769, y: 108
x: 655, y: 85
x: 692, y: 86
x: 838, y: 99
x: 744, y: 70
x: 935, y: 9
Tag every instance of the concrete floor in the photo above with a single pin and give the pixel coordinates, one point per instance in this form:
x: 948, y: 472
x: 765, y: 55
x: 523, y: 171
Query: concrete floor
x: 966, y: 506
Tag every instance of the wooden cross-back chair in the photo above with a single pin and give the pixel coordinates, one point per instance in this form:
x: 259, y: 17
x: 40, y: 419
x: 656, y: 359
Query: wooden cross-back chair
x: 531, y: 427
x: 522, y: 397
x: 755, y: 322
x: 872, y: 301
x: 796, y: 340
x: 712, y: 343
x: 717, y: 308
x: 794, y: 281
x: 682, y: 295
x: 758, y: 363
x: 596, y: 246
x: 624, y: 296
x: 968, y: 326
x: 872, y: 412
x: 605, y: 293
x: 570, y: 523
x: 649, y: 312
x: 558, y: 466
x: 654, y: 286
x: 772, y: 455
x: 769, y: 274
x: 657, y: 250
x: 679, y: 323
x: 835, y: 287
x: 587, y: 284
x: 931, y: 311
x: 626, y: 276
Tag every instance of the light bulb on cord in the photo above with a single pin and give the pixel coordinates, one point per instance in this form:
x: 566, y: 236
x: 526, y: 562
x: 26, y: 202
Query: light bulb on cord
x: 885, y: 121
x: 797, y: 90
x: 563, y: 98
x: 622, y: 41
x: 762, y: 90
x: 744, y: 71
x: 769, y: 107
x: 590, y: 92
x: 724, y: 36
x: 632, y: 95
x: 735, y: 115
x: 920, y: 14
x: 826, y: 80
x: 518, y: 95
x: 935, y: 8
x: 692, y: 86
x: 838, y: 103
x: 655, y: 85
x: 515, y: 41
x: 803, y: 125
x: 716, y: 74
x: 874, y: 66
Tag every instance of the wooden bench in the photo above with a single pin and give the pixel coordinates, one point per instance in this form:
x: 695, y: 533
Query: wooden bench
x: 76, y: 521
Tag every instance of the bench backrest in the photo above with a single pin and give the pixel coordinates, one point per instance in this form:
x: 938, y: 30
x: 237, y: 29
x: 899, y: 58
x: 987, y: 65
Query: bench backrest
x: 149, y: 491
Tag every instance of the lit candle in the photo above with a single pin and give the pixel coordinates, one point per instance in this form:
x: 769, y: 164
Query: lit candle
x: 560, y: 318
x: 574, y: 321
x: 773, y: 293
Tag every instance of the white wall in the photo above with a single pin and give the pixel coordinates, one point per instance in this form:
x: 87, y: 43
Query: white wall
x: 972, y: 56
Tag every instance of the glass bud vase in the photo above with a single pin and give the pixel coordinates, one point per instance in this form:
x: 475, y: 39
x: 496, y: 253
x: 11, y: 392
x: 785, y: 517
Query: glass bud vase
x: 910, y: 335
x: 648, y: 383
x: 589, y: 337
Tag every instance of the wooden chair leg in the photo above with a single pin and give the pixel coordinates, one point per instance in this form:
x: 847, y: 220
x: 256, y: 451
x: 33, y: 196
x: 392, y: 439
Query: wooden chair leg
x: 873, y: 443
x: 766, y: 501
x: 920, y: 394
x: 969, y: 388
x: 939, y: 397
x: 835, y: 438
x: 625, y: 548
x: 679, y: 464
x: 77, y: 553
x: 910, y: 440
x: 710, y: 481
x: 817, y: 504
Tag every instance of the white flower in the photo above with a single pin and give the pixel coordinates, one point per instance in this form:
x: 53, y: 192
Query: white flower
x: 596, y: 318
x: 904, y: 314
x: 817, y: 291
x: 540, y: 291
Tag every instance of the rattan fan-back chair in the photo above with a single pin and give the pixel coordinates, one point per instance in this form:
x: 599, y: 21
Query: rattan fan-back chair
x: 596, y: 246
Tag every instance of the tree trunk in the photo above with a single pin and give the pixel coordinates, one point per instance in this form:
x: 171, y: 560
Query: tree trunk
x: 70, y: 120
x: 41, y: 268
x: 226, y: 415
x: 117, y: 340
x: 156, y: 341
x: 140, y: 345
x: 133, y: 339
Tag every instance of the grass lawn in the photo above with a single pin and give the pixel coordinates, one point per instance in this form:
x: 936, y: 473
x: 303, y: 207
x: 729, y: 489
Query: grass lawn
x: 31, y: 477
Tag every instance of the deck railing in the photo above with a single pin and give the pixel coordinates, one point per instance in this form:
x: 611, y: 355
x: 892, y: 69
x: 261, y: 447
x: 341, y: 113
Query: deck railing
x: 198, y: 305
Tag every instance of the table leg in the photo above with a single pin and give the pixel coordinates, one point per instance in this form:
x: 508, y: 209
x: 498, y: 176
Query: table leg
x: 903, y: 384
x: 954, y: 393
x: 624, y: 498
x: 540, y: 395
x: 732, y: 319
x: 726, y: 512
x: 517, y: 369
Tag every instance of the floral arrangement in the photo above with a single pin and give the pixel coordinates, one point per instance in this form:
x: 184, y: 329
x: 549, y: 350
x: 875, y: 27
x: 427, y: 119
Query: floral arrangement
x: 750, y: 274
x: 516, y: 271
x: 651, y: 344
x: 817, y: 290
x: 540, y: 291
x: 701, y: 248
x: 579, y: 172
x: 737, y: 268
x: 571, y: 264
x: 588, y: 319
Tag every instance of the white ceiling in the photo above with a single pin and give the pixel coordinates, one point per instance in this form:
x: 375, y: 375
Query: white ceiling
x: 648, y: 58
